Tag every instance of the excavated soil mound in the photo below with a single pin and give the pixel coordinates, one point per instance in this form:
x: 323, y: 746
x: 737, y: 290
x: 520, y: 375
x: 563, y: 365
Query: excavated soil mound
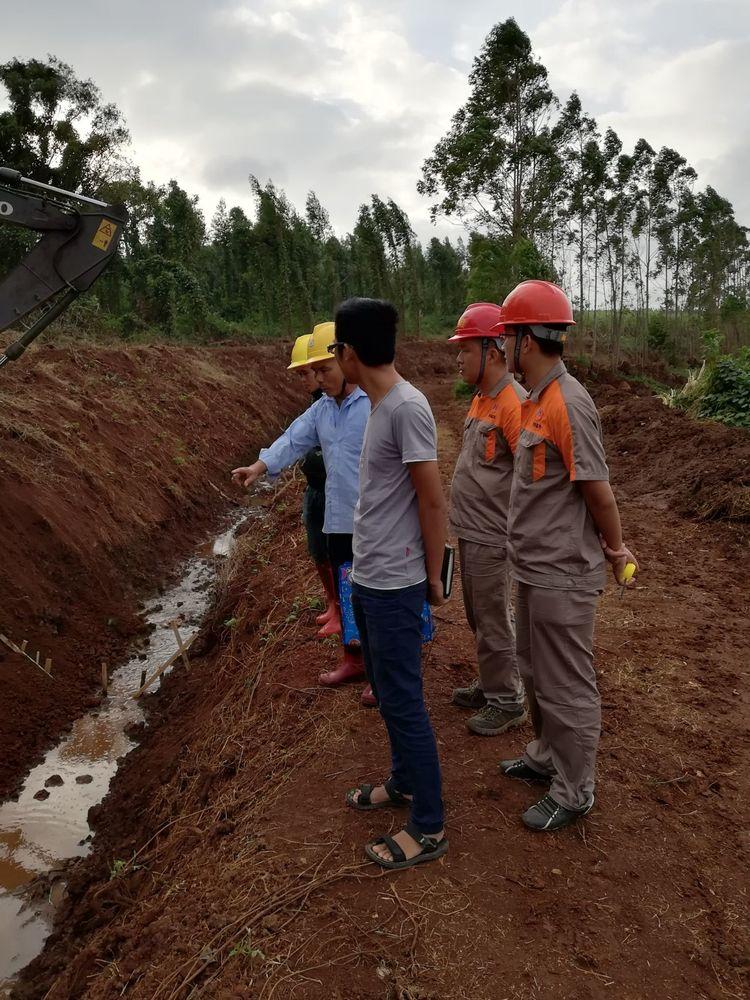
x: 111, y: 463
x: 704, y: 467
x: 226, y: 865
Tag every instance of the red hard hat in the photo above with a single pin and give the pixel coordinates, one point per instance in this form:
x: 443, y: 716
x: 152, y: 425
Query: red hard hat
x: 480, y: 319
x: 535, y: 303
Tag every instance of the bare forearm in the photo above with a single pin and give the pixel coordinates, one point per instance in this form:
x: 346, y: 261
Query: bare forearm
x: 607, y: 519
x: 432, y: 520
x: 603, y: 509
x: 602, y: 506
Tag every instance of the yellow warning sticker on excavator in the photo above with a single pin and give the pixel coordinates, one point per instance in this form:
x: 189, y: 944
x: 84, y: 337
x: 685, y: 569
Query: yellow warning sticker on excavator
x: 104, y: 234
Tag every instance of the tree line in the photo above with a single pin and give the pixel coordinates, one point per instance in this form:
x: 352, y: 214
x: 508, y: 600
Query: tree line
x: 627, y: 232
x: 650, y: 259
x: 278, y: 272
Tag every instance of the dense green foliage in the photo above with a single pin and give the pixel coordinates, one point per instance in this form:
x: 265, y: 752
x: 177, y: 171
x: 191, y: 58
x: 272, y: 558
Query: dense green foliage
x: 278, y: 272
x: 727, y: 395
x: 720, y: 389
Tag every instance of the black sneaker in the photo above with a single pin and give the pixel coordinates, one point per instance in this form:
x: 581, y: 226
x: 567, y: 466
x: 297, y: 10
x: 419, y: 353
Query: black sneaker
x: 469, y: 697
x: 548, y: 815
x: 492, y: 720
x: 518, y: 768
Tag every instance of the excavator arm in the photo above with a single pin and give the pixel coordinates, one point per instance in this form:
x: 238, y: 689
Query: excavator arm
x: 76, y: 245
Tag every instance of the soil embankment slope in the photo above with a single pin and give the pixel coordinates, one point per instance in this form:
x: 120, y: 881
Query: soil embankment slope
x: 110, y: 464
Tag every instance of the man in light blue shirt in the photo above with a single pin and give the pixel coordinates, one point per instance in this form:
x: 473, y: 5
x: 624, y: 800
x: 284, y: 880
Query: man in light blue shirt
x: 336, y: 424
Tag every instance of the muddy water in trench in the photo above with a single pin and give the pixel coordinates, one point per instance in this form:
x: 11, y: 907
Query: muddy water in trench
x: 48, y: 823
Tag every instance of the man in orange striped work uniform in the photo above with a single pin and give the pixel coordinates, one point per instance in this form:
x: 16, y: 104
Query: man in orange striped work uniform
x: 480, y: 495
x: 563, y: 524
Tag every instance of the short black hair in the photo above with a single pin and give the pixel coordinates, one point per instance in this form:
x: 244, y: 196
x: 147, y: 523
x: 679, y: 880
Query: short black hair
x: 368, y: 326
x: 551, y: 348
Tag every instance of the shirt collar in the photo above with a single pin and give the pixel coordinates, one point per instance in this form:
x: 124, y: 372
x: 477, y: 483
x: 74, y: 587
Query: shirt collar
x: 348, y: 399
x: 497, y: 389
x: 554, y: 373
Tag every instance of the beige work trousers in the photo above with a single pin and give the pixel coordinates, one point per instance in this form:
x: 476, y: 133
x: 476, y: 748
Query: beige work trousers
x: 555, y: 648
x: 486, y: 588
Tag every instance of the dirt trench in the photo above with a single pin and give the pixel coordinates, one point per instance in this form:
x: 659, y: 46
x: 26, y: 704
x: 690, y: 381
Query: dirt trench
x: 112, y: 463
x: 242, y: 872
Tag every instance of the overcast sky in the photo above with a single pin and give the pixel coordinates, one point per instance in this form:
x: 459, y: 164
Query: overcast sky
x: 347, y: 98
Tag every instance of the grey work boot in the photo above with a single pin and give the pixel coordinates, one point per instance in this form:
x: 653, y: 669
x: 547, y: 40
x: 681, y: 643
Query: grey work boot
x: 469, y: 697
x: 491, y: 720
x: 549, y: 815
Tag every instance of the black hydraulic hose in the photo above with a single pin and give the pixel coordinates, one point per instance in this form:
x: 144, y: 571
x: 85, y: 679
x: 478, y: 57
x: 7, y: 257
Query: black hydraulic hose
x: 16, y: 349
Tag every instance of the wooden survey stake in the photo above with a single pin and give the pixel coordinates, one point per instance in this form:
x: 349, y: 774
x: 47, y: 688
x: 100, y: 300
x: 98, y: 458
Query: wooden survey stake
x: 181, y: 647
x: 21, y: 650
x: 184, y: 646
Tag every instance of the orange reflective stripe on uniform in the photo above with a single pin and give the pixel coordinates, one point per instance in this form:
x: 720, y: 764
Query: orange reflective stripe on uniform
x: 552, y: 423
x: 510, y: 414
x: 489, y: 448
x: 552, y: 539
x: 558, y: 422
x: 539, y: 465
x: 480, y: 492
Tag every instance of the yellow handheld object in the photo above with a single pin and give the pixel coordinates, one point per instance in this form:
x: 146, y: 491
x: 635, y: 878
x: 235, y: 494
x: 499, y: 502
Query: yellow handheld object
x: 626, y: 577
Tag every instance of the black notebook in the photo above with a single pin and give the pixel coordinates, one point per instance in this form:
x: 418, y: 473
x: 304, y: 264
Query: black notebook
x: 446, y: 573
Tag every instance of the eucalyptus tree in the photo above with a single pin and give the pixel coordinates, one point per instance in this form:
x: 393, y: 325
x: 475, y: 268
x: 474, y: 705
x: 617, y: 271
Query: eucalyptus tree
x: 493, y: 167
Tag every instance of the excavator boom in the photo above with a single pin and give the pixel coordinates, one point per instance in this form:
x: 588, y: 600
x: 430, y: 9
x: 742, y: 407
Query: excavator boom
x: 76, y: 245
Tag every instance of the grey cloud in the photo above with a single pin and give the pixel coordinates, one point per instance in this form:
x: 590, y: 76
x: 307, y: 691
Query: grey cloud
x: 231, y: 98
x: 230, y: 174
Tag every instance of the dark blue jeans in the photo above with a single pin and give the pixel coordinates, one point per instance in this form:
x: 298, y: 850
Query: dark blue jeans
x: 390, y: 627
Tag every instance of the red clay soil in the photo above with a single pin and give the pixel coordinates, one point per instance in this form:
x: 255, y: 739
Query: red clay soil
x: 243, y: 874
x: 107, y: 463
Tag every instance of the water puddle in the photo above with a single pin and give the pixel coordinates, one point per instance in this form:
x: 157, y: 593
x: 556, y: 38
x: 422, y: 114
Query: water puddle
x: 48, y: 823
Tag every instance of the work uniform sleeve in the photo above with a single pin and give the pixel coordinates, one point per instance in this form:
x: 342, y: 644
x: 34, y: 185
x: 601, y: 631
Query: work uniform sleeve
x: 414, y: 432
x: 299, y: 437
x: 578, y: 437
x: 510, y: 417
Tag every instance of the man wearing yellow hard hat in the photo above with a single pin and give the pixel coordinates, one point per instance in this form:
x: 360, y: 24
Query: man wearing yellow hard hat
x: 314, y: 499
x: 336, y: 424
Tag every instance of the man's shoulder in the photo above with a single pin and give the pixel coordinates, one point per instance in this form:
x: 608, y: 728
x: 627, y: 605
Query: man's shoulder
x: 406, y: 394
x: 513, y: 395
x: 575, y: 395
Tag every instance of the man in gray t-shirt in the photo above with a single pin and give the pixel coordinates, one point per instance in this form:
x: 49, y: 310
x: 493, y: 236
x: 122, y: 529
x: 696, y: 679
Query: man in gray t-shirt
x: 399, y: 541
x: 388, y: 546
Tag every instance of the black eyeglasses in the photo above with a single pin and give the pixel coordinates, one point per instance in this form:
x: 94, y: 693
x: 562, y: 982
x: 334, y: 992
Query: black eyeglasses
x: 335, y: 346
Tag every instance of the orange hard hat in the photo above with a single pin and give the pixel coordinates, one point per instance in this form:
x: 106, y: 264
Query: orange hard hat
x: 537, y: 303
x: 480, y: 319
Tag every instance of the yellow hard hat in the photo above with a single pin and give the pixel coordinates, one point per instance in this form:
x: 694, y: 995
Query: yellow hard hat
x: 320, y: 339
x: 299, y: 352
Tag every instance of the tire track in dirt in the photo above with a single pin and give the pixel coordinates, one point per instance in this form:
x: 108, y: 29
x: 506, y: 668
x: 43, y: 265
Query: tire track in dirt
x: 244, y: 874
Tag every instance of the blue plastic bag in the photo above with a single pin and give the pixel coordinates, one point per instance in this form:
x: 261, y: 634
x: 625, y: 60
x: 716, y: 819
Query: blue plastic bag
x: 350, y: 632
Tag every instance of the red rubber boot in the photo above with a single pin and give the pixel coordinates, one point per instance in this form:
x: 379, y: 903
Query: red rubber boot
x: 326, y: 578
x: 351, y: 668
